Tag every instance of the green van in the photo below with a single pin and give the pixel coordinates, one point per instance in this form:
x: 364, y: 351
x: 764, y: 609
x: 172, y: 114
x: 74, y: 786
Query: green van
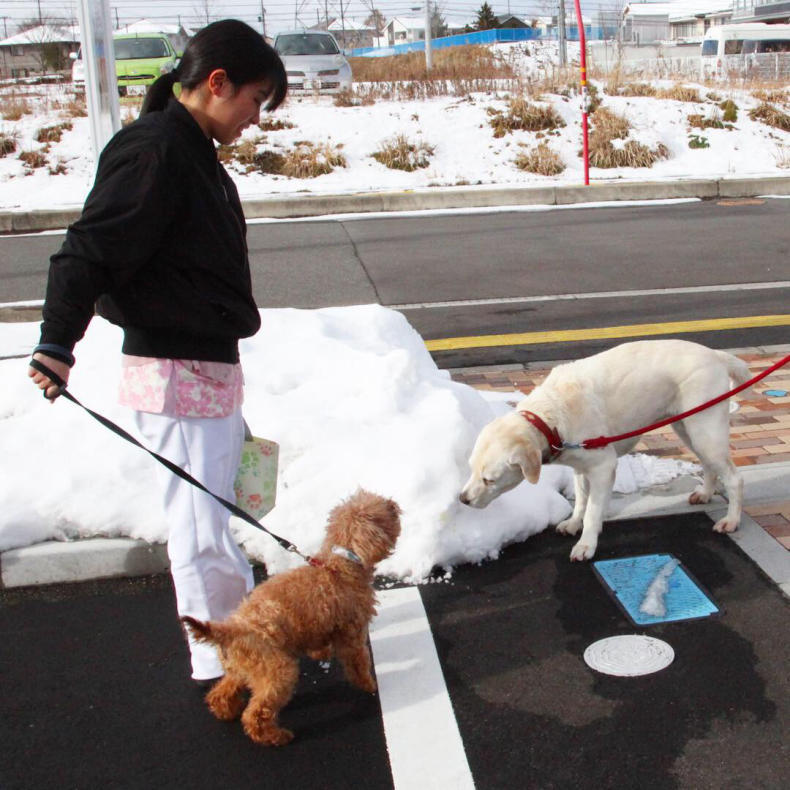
x: 141, y: 58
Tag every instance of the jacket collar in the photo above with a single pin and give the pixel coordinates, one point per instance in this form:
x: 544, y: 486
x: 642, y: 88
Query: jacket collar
x: 190, y: 126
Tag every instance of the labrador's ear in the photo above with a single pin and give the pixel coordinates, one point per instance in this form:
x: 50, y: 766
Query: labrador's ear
x: 528, y: 457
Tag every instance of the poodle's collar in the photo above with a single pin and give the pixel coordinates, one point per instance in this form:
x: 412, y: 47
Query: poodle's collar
x: 342, y: 551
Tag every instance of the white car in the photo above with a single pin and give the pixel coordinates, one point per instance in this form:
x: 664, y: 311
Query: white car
x: 313, y: 61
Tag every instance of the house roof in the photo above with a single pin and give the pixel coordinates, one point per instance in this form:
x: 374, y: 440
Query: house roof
x: 44, y: 34
x: 680, y: 9
x: 149, y: 26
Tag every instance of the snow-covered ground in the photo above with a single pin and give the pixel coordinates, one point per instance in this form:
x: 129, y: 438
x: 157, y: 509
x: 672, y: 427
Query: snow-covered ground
x: 353, y: 398
x: 465, y: 150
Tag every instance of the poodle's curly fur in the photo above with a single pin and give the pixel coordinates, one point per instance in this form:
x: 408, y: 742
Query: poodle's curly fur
x: 317, y: 610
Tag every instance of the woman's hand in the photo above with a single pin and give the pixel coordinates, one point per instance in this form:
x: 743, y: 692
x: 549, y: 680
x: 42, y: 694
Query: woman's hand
x: 51, y: 390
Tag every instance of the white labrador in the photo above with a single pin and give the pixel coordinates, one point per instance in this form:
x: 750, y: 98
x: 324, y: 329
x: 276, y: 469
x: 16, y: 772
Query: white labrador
x: 617, y: 391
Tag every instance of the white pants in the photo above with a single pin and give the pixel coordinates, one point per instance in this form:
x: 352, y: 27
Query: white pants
x: 210, y: 572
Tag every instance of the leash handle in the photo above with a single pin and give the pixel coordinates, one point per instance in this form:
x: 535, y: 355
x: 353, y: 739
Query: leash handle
x: 52, y: 376
x: 176, y: 470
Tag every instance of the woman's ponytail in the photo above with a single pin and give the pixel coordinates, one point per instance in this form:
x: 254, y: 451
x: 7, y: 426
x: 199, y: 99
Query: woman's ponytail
x: 159, y: 93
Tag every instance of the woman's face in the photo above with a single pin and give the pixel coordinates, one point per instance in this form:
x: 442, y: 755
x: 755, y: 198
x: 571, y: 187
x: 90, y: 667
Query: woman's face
x: 236, y: 108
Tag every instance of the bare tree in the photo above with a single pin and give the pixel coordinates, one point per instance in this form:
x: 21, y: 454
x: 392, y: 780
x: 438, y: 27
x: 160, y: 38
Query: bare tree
x: 203, y: 11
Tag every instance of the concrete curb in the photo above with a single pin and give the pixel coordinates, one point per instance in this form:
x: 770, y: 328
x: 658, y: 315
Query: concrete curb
x: 53, y: 562
x: 287, y: 207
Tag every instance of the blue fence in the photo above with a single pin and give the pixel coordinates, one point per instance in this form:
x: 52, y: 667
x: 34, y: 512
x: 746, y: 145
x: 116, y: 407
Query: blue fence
x: 479, y: 37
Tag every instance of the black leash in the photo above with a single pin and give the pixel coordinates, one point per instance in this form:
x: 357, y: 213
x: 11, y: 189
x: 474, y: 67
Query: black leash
x: 176, y: 470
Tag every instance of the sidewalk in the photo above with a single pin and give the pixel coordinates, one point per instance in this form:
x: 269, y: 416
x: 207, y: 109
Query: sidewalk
x: 760, y: 431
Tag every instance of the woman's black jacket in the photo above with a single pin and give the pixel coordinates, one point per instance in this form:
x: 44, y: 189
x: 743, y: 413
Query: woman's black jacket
x: 161, y: 244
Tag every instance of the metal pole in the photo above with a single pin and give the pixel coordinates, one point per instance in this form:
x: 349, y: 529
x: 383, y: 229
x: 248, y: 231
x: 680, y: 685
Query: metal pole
x: 263, y: 19
x: 585, y: 95
x: 428, y: 52
x: 561, y: 34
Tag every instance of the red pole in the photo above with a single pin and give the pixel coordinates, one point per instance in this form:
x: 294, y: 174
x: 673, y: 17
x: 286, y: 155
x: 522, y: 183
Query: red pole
x: 585, y: 97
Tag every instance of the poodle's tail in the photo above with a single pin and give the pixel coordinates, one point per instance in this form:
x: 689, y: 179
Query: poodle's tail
x: 220, y: 634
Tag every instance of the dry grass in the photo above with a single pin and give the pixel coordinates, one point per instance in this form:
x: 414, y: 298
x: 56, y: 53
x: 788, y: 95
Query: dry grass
x: 520, y: 114
x: 270, y: 124
x: 771, y: 115
x: 8, y: 143
x: 452, y: 63
x: 268, y: 161
x: 13, y: 109
x: 680, y: 93
x: 34, y: 159
x: 310, y: 160
x: 782, y: 156
x: 76, y: 108
x: 53, y: 134
x: 607, y: 127
x: 772, y: 96
x: 632, y: 89
x: 398, y: 153
x: 699, y: 121
x: 541, y: 160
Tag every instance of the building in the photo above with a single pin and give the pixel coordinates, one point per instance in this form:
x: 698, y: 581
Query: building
x: 43, y: 49
x: 761, y: 11
x: 690, y: 20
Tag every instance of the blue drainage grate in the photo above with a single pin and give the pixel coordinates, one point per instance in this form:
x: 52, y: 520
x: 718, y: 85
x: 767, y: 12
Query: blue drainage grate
x: 654, y: 588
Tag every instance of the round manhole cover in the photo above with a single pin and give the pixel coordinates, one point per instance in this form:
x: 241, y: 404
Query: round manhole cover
x: 629, y: 656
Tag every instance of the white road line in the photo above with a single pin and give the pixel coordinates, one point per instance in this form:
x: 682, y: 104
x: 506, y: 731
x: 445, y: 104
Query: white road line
x: 425, y: 748
x: 691, y: 289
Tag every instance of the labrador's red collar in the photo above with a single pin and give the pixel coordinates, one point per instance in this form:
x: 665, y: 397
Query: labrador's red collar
x: 551, y: 434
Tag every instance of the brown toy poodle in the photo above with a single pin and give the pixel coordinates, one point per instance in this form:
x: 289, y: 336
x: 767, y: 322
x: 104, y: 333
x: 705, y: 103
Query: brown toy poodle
x: 315, y: 610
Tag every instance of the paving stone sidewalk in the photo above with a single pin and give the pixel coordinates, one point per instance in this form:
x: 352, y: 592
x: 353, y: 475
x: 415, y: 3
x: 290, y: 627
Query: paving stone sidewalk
x: 760, y: 431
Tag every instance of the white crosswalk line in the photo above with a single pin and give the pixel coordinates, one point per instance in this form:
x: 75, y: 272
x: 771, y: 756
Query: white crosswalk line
x: 423, y: 741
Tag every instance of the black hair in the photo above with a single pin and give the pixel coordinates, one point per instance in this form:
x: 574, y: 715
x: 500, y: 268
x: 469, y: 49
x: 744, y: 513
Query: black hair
x: 231, y: 45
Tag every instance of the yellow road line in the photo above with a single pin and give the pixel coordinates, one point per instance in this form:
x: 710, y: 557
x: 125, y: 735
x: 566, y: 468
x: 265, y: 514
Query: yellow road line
x: 607, y: 332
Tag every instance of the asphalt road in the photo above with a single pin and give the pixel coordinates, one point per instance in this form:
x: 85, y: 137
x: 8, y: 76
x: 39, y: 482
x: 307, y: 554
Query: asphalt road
x: 95, y: 692
x: 461, y: 274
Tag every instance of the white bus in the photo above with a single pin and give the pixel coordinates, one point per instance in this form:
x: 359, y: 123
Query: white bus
x: 724, y: 47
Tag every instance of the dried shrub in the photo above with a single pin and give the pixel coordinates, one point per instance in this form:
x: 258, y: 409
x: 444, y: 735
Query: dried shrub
x: 76, y: 109
x: 452, y: 63
x: 33, y: 159
x: 270, y: 124
x: 14, y: 109
x: 607, y: 127
x: 58, y: 170
x: 771, y: 115
x: 782, y: 156
x: 541, y: 160
x: 244, y: 152
x: 772, y: 96
x: 268, y: 161
x: 7, y: 143
x: 521, y: 114
x: 680, y: 93
x: 308, y: 160
x: 398, y: 153
x: 53, y: 134
x: 226, y: 153
x: 699, y: 121
x: 633, y: 89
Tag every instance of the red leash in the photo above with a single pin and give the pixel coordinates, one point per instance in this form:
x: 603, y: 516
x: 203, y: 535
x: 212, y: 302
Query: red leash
x: 602, y: 441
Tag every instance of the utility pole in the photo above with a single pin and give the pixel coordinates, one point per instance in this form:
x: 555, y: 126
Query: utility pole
x: 5, y: 27
x: 561, y: 34
x: 263, y: 19
x: 428, y: 52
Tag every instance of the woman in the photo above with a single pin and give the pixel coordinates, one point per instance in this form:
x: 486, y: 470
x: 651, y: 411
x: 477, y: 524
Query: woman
x: 160, y: 250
